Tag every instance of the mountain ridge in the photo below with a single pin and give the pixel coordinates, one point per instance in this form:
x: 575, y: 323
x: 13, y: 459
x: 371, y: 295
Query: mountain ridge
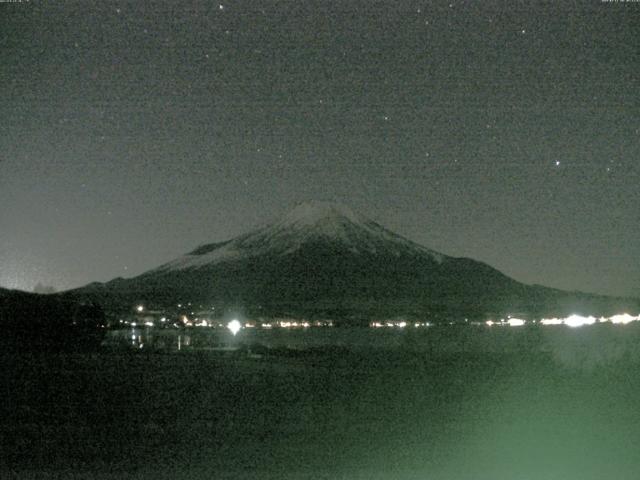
x: 322, y: 258
x: 307, y: 222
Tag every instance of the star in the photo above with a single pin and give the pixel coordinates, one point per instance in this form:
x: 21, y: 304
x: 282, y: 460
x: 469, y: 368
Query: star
x: 557, y: 163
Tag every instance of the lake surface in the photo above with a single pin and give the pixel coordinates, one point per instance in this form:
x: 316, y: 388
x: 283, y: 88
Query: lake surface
x: 581, y: 347
x: 449, y: 404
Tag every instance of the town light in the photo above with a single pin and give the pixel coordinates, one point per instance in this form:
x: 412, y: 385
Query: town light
x: 515, y: 322
x: 579, y: 320
x: 623, y: 318
x: 234, y: 326
x: 552, y: 321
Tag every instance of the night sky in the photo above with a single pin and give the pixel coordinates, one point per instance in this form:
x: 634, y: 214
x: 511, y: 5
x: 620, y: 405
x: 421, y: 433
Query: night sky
x: 508, y: 132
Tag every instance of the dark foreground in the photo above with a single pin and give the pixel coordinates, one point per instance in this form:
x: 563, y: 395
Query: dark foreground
x: 323, y: 414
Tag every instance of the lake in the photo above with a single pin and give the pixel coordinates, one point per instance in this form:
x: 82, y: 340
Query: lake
x: 443, y: 404
x: 577, y: 347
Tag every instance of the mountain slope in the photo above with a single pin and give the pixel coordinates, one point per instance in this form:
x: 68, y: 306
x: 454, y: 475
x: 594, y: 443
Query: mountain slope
x: 323, y: 259
x: 306, y: 224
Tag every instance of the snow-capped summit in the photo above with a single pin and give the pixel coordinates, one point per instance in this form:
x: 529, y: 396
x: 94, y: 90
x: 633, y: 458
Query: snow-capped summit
x: 308, y: 223
x: 314, y: 212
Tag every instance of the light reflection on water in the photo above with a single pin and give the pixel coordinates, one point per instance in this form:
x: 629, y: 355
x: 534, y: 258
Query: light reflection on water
x: 148, y: 338
x: 596, y: 344
x: 223, y: 339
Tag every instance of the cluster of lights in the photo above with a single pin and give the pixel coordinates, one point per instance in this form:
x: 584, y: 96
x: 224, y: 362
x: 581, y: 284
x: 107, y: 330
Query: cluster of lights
x: 297, y: 324
x: 202, y: 322
x: 293, y: 324
x: 194, y: 321
x: 270, y: 325
x: 399, y: 324
x: 570, y: 321
x: 235, y: 325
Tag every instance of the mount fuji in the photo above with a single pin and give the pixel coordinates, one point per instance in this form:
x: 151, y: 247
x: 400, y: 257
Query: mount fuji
x: 324, y: 260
